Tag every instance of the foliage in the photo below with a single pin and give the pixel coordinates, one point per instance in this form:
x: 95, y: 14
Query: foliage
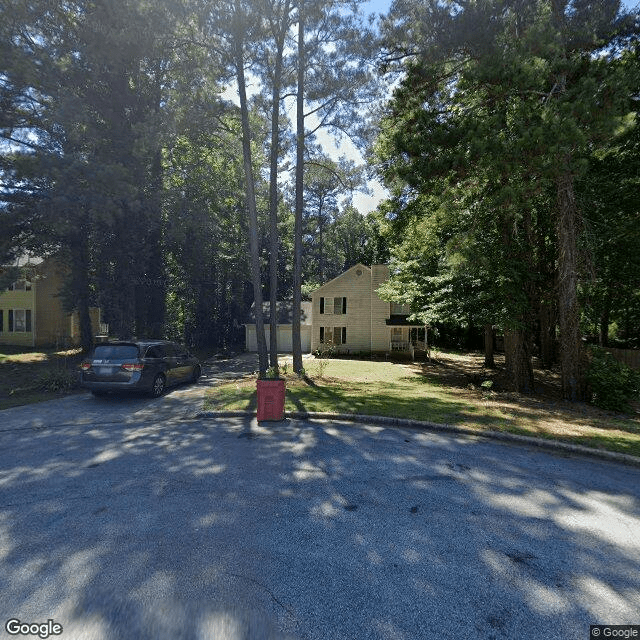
x: 612, y: 384
x: 55, y: 380
x: 497, y: 111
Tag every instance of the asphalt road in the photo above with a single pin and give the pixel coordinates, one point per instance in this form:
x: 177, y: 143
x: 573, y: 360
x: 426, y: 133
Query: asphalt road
x: 131, y: 519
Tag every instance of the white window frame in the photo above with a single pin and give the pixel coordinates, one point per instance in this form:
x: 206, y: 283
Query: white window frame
x: 14, y: 312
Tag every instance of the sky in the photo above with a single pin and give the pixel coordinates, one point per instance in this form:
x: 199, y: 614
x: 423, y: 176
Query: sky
x: 365, y: 203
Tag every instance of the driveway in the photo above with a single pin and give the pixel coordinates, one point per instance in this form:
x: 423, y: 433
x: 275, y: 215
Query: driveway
x: 165, y: 527
x: 178, y: 403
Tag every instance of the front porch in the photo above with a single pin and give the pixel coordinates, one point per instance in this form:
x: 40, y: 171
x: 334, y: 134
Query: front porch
x: 407, y: 340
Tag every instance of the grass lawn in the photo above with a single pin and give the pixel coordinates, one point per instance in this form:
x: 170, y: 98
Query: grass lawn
x: 34, y: 376
x: 444, y: 391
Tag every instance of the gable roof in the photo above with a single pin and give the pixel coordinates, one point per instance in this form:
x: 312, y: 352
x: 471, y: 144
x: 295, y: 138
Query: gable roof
x: 359, y: 265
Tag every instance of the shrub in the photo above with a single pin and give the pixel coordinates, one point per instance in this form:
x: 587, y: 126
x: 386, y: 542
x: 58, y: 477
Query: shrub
x: 611, y: 383
x: 56, y: 380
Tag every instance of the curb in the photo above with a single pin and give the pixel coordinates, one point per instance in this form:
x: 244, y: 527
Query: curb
x: 541, y: 443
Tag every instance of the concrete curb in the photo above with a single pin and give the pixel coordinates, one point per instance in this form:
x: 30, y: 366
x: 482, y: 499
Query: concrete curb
x: 542, y: 443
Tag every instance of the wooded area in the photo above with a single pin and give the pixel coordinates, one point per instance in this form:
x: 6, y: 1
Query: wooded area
x: 169, y: 152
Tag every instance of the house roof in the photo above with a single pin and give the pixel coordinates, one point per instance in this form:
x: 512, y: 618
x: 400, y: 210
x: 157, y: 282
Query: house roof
x: 284, y: 312
x: 342, y: 275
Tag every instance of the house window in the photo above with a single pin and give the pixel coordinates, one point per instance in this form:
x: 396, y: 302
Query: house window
x: 333, y: 335
x: 326, y: 335
x: 332, y: 305
x: 339, y: 305
x: 20, y: 285
x: 20, y: 320
x: 1, y: 320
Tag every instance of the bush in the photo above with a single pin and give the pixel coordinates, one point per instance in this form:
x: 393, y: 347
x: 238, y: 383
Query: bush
x: 56, y: 380
x: 611, y: 383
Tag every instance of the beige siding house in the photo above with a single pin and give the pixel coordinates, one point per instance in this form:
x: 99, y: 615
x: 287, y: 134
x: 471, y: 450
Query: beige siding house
x: 31, y: 311
x: 348, y: 316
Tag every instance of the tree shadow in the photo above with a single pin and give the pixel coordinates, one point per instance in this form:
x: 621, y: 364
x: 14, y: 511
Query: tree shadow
x: 184, y: 529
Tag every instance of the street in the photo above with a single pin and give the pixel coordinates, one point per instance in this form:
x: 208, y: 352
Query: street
x: 152, y: 523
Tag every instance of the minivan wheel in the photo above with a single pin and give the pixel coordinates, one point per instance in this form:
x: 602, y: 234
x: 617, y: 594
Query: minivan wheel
x: 157, y: 388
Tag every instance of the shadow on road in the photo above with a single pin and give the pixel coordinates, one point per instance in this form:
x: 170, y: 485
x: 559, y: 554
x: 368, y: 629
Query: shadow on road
x: 224, y: 529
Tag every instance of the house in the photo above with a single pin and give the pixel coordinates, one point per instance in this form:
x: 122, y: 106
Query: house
x: 31, y: 309
x: 349, y: 316
x: 285, y: 318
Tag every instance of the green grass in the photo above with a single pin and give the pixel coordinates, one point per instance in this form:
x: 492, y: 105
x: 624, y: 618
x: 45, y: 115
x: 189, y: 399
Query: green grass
x: 416, y: 392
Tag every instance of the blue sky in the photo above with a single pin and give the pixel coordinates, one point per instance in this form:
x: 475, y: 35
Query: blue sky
x: 366, y: 203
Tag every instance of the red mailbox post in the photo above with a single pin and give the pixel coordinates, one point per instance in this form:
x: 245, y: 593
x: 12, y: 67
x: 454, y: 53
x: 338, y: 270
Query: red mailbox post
x: 271, y: 395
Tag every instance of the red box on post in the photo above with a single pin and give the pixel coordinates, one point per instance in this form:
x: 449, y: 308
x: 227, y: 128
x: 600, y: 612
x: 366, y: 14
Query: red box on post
x: 271, y: 399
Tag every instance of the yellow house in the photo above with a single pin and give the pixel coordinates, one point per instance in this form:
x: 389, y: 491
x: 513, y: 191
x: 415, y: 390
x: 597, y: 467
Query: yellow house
x: 31, y: 310
x: 349, y: 317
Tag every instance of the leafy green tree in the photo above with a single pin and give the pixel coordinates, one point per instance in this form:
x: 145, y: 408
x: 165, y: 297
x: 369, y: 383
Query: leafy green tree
x: 610, y: 201
x: 504, y: 101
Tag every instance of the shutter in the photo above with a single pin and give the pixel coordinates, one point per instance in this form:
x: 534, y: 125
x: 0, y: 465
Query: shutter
x: 27, y: 314
x: 1, y: 320
x: 321, y: 305
x: 10, y: 319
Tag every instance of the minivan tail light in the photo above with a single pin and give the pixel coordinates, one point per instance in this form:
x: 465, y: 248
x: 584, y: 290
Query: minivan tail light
x: 133, y: 366
x: 85, y: 366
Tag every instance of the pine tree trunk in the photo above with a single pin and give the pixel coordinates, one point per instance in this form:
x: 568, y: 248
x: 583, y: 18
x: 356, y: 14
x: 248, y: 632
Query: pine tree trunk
x: 518, y: 355
x: 605, y: 318
x: 547, y: 331
x: 297, y: 258
x: 571, y: 351
x: 251, y: 210
x: 156, y: 310
x: 488, y: 346
x: 80, y: 279
x: 273, y: 190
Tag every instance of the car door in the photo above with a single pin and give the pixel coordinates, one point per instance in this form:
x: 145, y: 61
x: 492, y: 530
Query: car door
x: 171, y: 360
x: 183, y: 363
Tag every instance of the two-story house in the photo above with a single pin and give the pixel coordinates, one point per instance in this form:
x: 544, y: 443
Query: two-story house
x: 31, y: 309
x: 348, y: 316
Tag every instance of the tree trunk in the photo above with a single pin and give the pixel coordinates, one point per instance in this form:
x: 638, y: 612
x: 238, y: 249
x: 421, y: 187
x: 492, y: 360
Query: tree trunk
x: 80, y: 279
x: 518, y: 355
x: 488, y: 346
x: 273, y: 186
x: 605, y: 318
x: 297, y: 251
x: 156, y: 311
x: 547, y: 333
x: 251, y: 208
x: 571, y: 351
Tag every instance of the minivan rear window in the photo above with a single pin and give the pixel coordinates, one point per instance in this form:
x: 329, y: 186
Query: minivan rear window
x: 115, y: 352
